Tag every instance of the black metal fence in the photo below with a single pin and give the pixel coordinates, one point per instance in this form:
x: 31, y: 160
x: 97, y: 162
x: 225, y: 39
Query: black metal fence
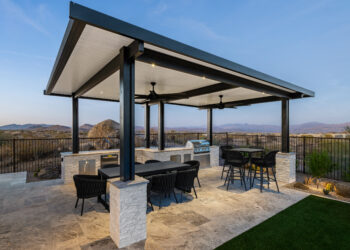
x: 31, y: 155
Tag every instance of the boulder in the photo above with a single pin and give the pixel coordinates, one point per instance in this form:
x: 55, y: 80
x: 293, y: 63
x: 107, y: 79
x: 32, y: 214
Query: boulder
x: 300, y: 185
x: 49, y: 173
x: 343, y: 189
x: 107, y: 128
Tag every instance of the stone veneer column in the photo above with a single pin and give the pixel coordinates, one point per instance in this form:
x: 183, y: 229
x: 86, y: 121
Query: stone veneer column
x: 214, y: 156
x: 285, y: 167
x: 128, y: 204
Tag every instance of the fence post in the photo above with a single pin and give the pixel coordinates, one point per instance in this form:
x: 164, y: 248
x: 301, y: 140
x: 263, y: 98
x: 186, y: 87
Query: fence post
x: 197, y: 136
x: 14, y: 154
x: 226, y: 139
x: 257, y: 140
x: 304, y: 154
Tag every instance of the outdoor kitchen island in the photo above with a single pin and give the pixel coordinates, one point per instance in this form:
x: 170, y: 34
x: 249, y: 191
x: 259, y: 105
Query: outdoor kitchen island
x: 88, y: 162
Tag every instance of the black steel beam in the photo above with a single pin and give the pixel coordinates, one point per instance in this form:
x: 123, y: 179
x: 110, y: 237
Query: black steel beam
x: 71, y: 37
x: 285, y: 126
x: 161, y: 130
x: 135, y: 49
x: 147, y: 125
x: 102, y: 21
x: 246, y: 102
x: 175, y: 63
x: 210, y: 126
x: 202, y: 91
x: 127, y: 116
x: 75, y: 125
x: 89, y: 98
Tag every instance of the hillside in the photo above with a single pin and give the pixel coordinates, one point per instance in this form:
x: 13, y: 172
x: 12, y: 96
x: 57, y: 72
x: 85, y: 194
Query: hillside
x: 305, y: 128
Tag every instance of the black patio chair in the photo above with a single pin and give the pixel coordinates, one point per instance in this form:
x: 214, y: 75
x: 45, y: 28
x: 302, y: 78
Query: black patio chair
x: 265, y: 164
x: 88, y: 186
x: 151, y: 161
x: 164, y: 184
x: 149, y: 187
x: 222, y: 151
x: 195, y: 164
x: 137, y: 163
x: 237, y: 163
x: 185, y: 181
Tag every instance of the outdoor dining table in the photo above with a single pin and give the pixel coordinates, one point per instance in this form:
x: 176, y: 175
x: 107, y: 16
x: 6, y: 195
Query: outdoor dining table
x: 141, y: 170
x: 248, y: 151
x: 145, y: 169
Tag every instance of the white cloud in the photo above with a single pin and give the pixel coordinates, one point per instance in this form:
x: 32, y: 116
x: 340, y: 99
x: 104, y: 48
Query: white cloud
x: 199, y: 27
x: 160, y: 8
x: 19, y: 13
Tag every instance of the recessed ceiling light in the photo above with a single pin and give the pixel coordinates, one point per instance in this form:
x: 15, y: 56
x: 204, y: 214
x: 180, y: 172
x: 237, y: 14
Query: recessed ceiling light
x: 203, y: 77
x: 153, y: 65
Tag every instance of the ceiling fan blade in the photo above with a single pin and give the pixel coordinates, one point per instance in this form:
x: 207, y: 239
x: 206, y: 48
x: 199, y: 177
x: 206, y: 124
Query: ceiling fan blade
x: 173, y: 96
x: 230, y: 106
x: 210, y: 106
x: 141, y: 96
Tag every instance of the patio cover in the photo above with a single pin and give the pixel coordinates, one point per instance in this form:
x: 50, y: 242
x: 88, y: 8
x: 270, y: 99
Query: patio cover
x: 88, y: 63
x: 104, y: 58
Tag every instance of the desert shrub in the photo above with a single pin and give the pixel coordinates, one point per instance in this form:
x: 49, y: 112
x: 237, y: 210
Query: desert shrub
x: 328, y: 136
x: 346, y: 176
x: 319, y: 164
x: 28, y: 150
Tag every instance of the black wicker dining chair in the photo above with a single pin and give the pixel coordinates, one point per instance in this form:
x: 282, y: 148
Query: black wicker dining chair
x: 225, y: 166
x: 265, y: 164
x: 149, y: 187
x: 88, y: 186
x: 237, y: 163
x: 195, y: 165
x: 185, y: 181
x: 151, y: 161
x: 164, y: 184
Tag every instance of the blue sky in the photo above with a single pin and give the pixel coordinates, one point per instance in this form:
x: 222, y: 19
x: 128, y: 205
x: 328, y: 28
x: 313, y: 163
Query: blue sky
x: 303, y: 42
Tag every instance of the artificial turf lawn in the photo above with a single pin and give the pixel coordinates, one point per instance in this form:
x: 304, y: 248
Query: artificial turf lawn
x: 312, y: 223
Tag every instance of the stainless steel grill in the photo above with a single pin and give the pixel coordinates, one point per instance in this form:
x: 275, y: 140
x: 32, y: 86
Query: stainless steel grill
x: 199, y: 146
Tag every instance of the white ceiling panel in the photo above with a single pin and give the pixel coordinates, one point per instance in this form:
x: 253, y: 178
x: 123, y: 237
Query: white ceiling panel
x: 229, y: 95
x: 168, y: 52
x: 95, y: 48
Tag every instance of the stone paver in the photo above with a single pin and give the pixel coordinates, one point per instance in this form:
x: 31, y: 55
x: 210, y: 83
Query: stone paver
x: 42, y: 216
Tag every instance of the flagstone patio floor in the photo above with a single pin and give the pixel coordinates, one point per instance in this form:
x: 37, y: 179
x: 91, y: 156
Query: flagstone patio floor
x: 41, y: 215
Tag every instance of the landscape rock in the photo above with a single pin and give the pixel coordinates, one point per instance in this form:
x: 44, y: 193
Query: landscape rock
x: 48, y: 173
x: 342, y: 189
x: 300, y: 185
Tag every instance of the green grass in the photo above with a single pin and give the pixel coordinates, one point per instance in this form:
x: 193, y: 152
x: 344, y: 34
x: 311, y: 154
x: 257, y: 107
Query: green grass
x: 312, y: 223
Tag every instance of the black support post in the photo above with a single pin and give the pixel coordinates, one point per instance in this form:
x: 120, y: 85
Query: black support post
x: 147, y: 125
x: 75, y: 125
x: 210, y: 126
x: 161, y: 131
x: 285, y: 125
x: 127, y: 116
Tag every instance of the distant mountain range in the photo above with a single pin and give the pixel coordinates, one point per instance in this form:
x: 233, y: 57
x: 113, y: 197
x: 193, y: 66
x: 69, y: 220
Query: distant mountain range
x: 43, y: 127
x: 305, y: 128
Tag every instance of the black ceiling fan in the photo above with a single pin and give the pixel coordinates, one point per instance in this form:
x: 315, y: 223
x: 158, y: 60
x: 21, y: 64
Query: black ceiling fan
x: 154, y: 97
x: 219, y: 105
